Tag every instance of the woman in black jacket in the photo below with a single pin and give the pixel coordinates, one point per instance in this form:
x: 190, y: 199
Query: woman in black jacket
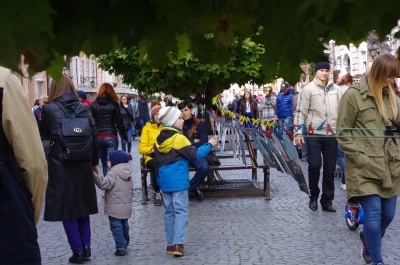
x: 127, y: 118
x: 107, y: 115
x: 249, y: 108
x: 71, y: 194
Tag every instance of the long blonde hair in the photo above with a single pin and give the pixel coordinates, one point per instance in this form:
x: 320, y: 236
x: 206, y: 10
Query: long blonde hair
x: 383, y: 67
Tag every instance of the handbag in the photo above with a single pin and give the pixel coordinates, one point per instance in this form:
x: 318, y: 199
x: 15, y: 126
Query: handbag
x: 213, y: 160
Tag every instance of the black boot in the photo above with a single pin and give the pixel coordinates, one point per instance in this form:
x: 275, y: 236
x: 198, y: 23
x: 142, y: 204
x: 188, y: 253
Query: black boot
x: 76, y: 258
x: 313, y: 204
x: 87, y: 252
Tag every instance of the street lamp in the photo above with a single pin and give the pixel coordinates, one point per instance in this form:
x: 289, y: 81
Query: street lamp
x: 92, y: 83
x: 373, y: 50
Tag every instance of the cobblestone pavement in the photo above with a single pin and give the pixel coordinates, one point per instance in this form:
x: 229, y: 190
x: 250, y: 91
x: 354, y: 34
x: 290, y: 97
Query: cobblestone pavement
x: 242, y: 230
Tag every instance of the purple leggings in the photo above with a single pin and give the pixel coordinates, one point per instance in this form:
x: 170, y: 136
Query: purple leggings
x: 78, y: 233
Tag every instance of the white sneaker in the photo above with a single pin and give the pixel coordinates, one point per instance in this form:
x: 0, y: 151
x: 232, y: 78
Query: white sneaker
x: 343, y: 186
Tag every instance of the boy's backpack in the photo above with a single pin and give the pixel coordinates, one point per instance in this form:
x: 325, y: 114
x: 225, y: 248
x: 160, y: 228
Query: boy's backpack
x: 75, y: 137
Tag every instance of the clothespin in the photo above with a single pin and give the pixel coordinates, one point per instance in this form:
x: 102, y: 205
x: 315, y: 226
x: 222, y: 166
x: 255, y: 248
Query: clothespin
x: 329, y: 129
x: 389, y: 132
x: 310, y: 129
x: 268, y: 132
x: 289, y: 134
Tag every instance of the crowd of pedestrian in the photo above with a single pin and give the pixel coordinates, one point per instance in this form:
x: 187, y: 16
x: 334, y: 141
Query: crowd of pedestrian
x: 172, y: 138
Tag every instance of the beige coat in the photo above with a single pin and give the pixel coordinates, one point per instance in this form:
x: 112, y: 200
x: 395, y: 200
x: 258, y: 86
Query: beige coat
x: 371, y: 166
x: 316, y: 104
x: 118, y: 185
x: 22, y: 133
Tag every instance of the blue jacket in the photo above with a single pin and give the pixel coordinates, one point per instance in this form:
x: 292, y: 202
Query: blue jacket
x: 284, y: 105
x: 172, y: 154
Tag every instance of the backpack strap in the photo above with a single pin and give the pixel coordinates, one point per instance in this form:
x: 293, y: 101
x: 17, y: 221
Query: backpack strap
x: 194, y: 126
x: 69, y: 111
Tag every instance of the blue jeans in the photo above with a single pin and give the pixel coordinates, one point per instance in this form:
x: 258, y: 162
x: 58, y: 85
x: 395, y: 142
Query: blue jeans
x: 133, y: 129
x: 287, y: 122
x: 176, y: 216
x: 379, y: 213
x: 142, y: 121
x: 249, y: 124
x: 129, y: 143
x: 120, y: 231
x: 106, y: 145
x: 201, y: 173
x: 340, y: 160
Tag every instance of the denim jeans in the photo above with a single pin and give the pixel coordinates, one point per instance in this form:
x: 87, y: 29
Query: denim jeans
x: 129, y: 143
x: 142, y: 121
x: 133, y: 129
x: 201, y: 173
x: 287, y: 122
x: 379, y: 213
x: 340, y: 160
x: 120, y: 231
x: 249, y: 124
x: 106, y: 145
x: 78, y: 233
x: 176, y: 216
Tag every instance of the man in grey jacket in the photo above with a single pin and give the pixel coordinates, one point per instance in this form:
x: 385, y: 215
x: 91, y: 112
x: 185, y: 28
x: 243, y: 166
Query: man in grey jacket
x: 318, y: 105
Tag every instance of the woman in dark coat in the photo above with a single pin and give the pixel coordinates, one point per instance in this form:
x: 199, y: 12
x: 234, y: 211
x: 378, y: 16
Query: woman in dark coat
x: 107, y: 115
x: 71, y: 194
x: 127, y: 118
x: 249, y: 108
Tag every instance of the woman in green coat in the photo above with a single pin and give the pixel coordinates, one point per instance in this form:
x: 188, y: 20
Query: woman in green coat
x: 372, y: 162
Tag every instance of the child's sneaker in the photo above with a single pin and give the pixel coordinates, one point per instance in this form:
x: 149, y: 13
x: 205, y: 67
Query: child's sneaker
x: 366, y: 257
x: 158, y: 199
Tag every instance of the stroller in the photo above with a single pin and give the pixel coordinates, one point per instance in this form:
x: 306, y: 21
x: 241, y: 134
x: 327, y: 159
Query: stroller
x: 354, y: 215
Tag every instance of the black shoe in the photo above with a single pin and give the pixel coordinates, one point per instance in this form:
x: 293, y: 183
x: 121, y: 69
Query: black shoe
x: 313, y: 204
x: 130, y: 156
x: 120, y: 252
x: 198, y: 195
x: 76, y: 258
x: 328, y: 208
x: 87, y: 252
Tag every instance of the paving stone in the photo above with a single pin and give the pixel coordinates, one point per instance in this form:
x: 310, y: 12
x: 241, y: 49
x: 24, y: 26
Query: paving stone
x: 243, y: 230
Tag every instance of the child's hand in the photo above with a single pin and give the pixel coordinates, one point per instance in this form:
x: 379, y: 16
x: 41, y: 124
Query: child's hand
x: 213, y: 141
x: 95, y: 171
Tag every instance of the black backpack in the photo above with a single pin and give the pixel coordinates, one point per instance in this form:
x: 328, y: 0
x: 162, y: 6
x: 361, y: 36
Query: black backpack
x: 75, y: 143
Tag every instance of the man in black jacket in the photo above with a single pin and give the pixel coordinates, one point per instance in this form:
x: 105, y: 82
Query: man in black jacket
x: 143, y: 111
x: 195, y: 130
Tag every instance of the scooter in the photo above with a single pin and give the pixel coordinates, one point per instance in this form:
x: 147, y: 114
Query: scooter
x: 354, y: 215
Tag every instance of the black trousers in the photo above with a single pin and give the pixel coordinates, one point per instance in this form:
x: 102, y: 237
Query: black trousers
x: 327, y: 146
x: 151, y: 164
x: 18, y: 235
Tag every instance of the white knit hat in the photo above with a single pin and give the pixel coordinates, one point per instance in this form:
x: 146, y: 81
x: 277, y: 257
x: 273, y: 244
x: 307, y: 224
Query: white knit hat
x: 168, y: 115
